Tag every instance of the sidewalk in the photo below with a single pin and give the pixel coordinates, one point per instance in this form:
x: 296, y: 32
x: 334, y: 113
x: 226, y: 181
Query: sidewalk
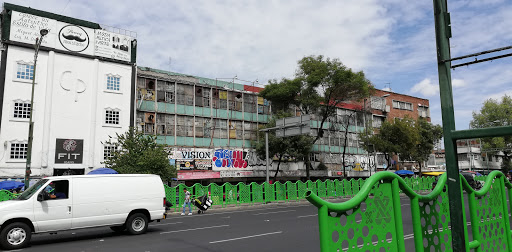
x: 255, y: 206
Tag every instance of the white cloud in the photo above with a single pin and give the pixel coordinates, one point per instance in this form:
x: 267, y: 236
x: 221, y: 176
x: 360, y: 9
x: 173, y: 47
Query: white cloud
x: 390, y: 41
x: 458, y: 83
x: 426, y: 88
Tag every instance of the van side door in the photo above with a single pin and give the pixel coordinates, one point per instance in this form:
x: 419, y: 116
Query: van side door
x: 53, y: 207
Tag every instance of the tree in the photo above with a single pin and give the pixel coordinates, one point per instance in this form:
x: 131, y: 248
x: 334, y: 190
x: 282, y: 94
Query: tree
x: 428, y: 134
x: 294, y: 147
x: 412, y: 140
x: 319, y: 87
x: 134, y: 152
x: 492, y: 114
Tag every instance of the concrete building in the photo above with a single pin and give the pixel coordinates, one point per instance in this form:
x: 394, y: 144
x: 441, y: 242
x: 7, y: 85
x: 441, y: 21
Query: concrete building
x: 208, y: 125
x: 84, y: 84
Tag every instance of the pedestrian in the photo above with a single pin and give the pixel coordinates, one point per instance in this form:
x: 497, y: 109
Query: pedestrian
x: 187, y: 202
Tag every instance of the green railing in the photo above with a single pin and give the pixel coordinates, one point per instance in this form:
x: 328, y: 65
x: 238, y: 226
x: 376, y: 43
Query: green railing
x: 6, y: 195
x: 254, y: 193
x: 250, y: 194
x: 372, y: 219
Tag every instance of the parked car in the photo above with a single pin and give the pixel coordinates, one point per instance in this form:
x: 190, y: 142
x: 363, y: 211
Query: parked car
x: 123, y: 202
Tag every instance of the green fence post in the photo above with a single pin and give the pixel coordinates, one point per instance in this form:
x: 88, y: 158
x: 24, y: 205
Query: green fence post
x: 230, y: 194
x: 320, y: 185
x: 270, y: 193
x: 331, y: 189
x: 280, y: 191
x: 301, y: 190
x: 257, y: 192
x: 312, y: 186
x: 244, y: 192
x: 339, y: 188
x: 217, y: 194
x: 291, y: 191
x: 347, y: 188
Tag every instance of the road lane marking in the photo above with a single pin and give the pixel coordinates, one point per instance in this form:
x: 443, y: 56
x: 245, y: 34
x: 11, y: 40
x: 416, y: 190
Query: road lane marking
x: 192, y: 229
x: 163, y: 224
x: 304, y: 216
x: 245, y: 237
x: 275, y: 212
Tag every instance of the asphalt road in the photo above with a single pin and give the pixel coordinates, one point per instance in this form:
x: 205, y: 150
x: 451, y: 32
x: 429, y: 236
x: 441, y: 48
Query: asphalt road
x: 272, y: 227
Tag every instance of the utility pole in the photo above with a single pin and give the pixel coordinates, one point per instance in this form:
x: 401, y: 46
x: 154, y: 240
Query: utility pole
x: 28, y: 171
x: 443, y: 35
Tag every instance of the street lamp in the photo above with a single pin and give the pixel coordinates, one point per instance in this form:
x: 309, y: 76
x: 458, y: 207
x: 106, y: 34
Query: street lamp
x: 43, y: 33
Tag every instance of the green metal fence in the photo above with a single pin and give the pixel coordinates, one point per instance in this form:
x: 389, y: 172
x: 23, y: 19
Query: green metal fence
x: 255, y: 193
x: 6, y: 195
x: 372, y: 219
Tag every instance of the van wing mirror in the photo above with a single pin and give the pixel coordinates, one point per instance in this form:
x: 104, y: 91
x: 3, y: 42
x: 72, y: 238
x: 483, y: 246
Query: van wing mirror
x: 42, y: 196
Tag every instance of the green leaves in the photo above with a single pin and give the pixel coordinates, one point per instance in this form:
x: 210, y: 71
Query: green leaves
x: 133, y: 152
x: 496, y: 113
x: 412, y: 139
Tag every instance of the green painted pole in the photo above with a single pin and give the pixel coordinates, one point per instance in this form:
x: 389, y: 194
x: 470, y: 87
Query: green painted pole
x: 443, y: 34
x: 397, y: 211
x: 475, y: 222
x: 506, y: 218
x: 416, y: 227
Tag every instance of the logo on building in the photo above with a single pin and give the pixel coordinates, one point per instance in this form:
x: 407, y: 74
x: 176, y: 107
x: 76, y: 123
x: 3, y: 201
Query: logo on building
x: 73, y: 38
x: 69, y: 151
x: 70, y: 82
x: 229, y: 158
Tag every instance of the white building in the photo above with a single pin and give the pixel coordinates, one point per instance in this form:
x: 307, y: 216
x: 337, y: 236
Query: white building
x: 82, y: 92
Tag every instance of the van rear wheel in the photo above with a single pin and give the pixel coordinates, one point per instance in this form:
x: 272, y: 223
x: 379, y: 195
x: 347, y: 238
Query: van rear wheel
x: 137, y: 223
x: 15, y: 236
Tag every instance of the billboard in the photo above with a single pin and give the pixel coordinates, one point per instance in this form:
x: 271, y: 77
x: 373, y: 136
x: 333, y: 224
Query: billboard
x: 25, y: 28
x: 69, y: 151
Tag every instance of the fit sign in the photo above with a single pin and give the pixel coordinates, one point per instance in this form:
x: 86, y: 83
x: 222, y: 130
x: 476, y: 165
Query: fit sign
x: 69, y: 151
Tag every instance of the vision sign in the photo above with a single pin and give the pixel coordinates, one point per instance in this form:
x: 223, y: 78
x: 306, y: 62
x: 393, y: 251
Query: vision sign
x: 69, y: 151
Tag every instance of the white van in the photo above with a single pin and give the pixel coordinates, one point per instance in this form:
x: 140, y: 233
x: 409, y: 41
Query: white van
x: 121, y: 201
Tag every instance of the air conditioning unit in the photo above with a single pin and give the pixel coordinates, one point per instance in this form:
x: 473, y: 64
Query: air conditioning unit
x: 387, y: 109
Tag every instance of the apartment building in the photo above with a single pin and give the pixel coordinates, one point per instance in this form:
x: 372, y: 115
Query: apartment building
x: 83, y: 88
x: 208, y: 125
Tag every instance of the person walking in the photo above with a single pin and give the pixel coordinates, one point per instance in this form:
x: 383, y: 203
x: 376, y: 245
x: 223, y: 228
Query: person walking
x: 187, y: 202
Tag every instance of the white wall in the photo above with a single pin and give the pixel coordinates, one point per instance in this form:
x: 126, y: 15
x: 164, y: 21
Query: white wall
x: 69, y: 102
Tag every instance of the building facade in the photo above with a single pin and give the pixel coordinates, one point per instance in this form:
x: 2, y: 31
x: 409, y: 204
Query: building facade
x: 208, y: 126
x: 84, y: 81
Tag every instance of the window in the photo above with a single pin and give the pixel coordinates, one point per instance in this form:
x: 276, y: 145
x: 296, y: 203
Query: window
x: 108, y: 151
x: 25, y: 71
x: 19, y: 150
x: 113, y: 83
x: 21, y: 110
x: 112, y: 117
x: 402, y: 105
x: 58, y: 189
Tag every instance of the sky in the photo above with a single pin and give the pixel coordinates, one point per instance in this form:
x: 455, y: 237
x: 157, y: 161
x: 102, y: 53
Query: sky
x: 391, y: 41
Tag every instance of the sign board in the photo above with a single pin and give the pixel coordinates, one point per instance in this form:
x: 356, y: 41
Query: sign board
x: 25, y: 28
x: 69, y: 151
x: 189, y: 175
x: 236, y: 174
x: 293, y: 126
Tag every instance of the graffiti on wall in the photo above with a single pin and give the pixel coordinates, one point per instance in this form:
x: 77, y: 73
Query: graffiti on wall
x: 355, y: 162
x: 229, y: 158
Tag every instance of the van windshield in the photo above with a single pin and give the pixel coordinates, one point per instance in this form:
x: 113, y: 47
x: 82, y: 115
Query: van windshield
x: 31, y: 190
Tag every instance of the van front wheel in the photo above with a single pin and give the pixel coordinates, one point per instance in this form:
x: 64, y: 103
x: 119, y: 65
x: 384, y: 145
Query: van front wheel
x: 15, y: 236
x: 137, y: 223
